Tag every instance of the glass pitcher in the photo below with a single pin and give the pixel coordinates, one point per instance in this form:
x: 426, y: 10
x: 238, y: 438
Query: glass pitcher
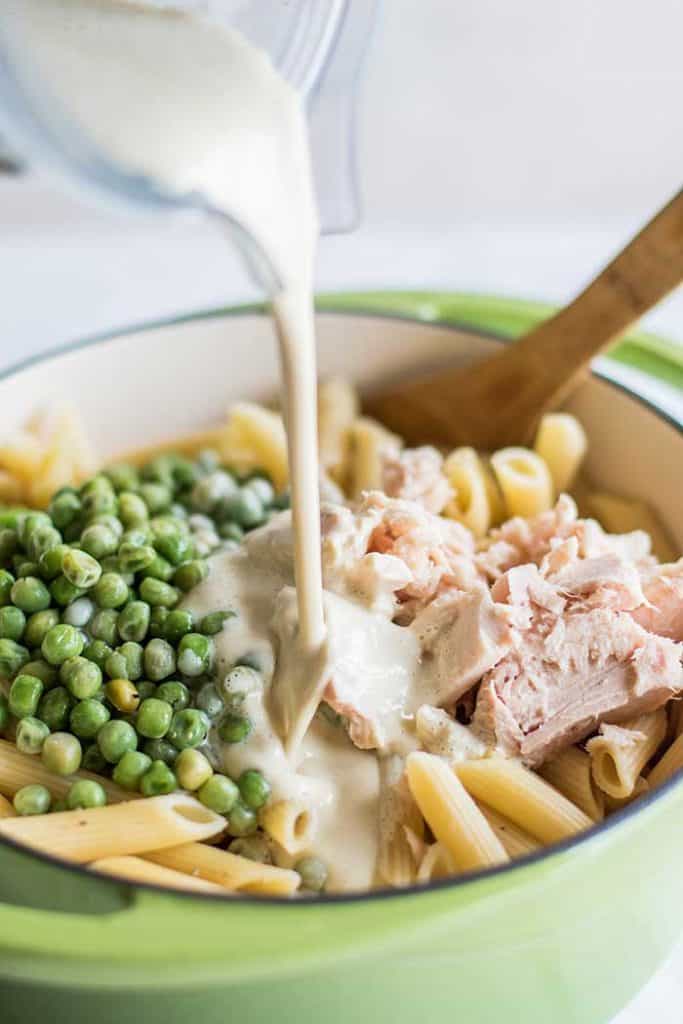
x: 317, y: 45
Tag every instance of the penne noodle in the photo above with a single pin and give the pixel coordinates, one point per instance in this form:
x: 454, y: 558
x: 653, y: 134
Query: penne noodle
x: 524, y: 480
x: 471, y: 505
x: 612, y: 803
x: 441, y: 734
x: 516, y: 841
x: 523, y: 797
x: 118, y: 829
x: 436, y: 863
x: 6, y: 808
x: 668, y: 764
x: 369, y: 441
x: 338, y: 407
x: 236, y: 874
x: 135, y: 869
x: 570, y: 773
x: 254, y: 438
x: 17, y: 770
x: 399, y: 821
x: 620, y: 752
x: 562, y: 444
x: 452, y: 815
x: 291, y: 824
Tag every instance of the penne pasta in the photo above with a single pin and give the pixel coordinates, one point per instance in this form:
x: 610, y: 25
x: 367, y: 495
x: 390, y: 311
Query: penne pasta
x: 291, y: 824
x: 612, y: 803
x: 118, y: 829
x: 441, y: 734
x: 523, y: 797
x: 253, y: 438
x: 135, y: 869
x: 369, y: 441
x: 452, y: 815
x: 17, y: 770
x: 620, y: 752
x: 338, y: 407
x: 562, y: 444
x: 668, y: 764
x: 516, y: 841
x: 436, y: 863
x: 236, y: 874
x: 400, y: 822
x: 570, y: 773
x: 471, y: 504
x: 6, y: 808
x: 524, y: 480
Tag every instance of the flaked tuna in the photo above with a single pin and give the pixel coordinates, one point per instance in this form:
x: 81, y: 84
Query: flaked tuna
x: 416, y: 474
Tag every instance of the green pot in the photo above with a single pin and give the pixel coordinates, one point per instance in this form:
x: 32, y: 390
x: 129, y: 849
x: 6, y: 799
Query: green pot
x: 564, y: 936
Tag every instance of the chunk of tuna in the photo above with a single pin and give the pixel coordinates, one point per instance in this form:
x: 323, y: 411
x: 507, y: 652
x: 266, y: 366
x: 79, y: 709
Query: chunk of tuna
x: 663, y: 613
x: 416, y: 474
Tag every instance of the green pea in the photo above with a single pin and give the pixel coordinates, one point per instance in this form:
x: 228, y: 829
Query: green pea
x: 161, y: 750
x: 154, y: 718
x: 85, y: 793
x: 40, y: 668
x: 253, y: 848
x: 208, y: 460
x: 30, y: 594
x: 97, y: 651
x: 54, y: 708
x: 6, y: 584
x: 65, y: 508
x: 213, y: 623
x: 24, y: 696
x: 174, y: 693
x: 159, y: 660
x: 99, y: 540
x: 111, y: 591
x: 98, y: 497
x: 242, y: 821
x: 4, y: 713
x: 188, y: 728
x: 115, y: 666
x: 158, y: 569
x: 42, y: 540
x: 31, y: 522
x: 212, y: 490
x: 156, y: 496
x: 87, y: 718
x: 135, y: 557
x: 282, y: 501
x: 192, y: 769
x: 115, y: 738
x: 174, y: 547
x: 219, y: 794
x: 146, y: 688
x: 12, y: 623
x: 79, y: 612
x: 158, y: 780
x: 81, y: 677
x: 132, y: 509
x: 104, y: 625
x: 112, y: 522
x: 31, y: 734
x: 62, y: 642
x: 38, y: 625
x: 190, y: 574
x: 130, y: 769
x: 195, y: 654
x: 160, y: 470
x: 123, y: 695
x: 313, y: 873
x: 156, y: 592
x: 81, y: 569
x: 133, y: 654
x: 12, y: 657
x: 177, y: 624
x: 26, y: 569
x: 209, y: 700
x: 157, y: 622
x: 234, y: 728
x: 64, y: 592
x: 133, y: 621
x: 123, y: 477
x: 244, y: 508
x: 93, y: 761
x: 33, y: 799
x: 254, y: 789
x: 230, y: 531
x: 9, y: 543
x: 62, y: 753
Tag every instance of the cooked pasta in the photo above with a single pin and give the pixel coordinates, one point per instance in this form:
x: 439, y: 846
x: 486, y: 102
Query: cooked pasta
x: 369, y: 441
x: 291, y: 824
x: 452, y: 815
x: 570, y: 773
x: 254, y: 438
x: 471, y: 504
x: 524, y: 480
x: 516, y: 841
x: 441, y: 734
x: 620, y: 752
x: 519, y: 794
x: 236, y: 874
x: 436, y: 863
x: 338, y: 408
x: 562, y: 444
x: 400, y: 824
x: 613, y: 803
x: 17, y: 770
x: 117, y: 830
x: 135, y: 869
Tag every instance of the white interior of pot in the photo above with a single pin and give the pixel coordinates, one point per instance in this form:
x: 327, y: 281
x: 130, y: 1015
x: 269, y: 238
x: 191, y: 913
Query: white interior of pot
x: 143, y: 387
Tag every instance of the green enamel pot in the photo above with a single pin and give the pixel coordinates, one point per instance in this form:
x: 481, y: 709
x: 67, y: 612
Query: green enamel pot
x: 568, y: 935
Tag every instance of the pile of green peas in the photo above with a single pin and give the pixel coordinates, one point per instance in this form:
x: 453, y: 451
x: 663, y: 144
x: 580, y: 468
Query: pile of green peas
x: 100, y: 668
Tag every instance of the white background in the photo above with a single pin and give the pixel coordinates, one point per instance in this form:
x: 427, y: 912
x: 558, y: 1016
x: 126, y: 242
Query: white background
x: 504, y: 147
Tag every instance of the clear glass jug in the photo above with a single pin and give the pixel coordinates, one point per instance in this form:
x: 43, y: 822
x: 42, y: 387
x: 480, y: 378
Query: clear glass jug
x: 317, y: 45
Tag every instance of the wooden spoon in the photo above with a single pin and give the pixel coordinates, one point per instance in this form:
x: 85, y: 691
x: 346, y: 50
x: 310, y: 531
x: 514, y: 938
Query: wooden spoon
x: 499, y: 400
